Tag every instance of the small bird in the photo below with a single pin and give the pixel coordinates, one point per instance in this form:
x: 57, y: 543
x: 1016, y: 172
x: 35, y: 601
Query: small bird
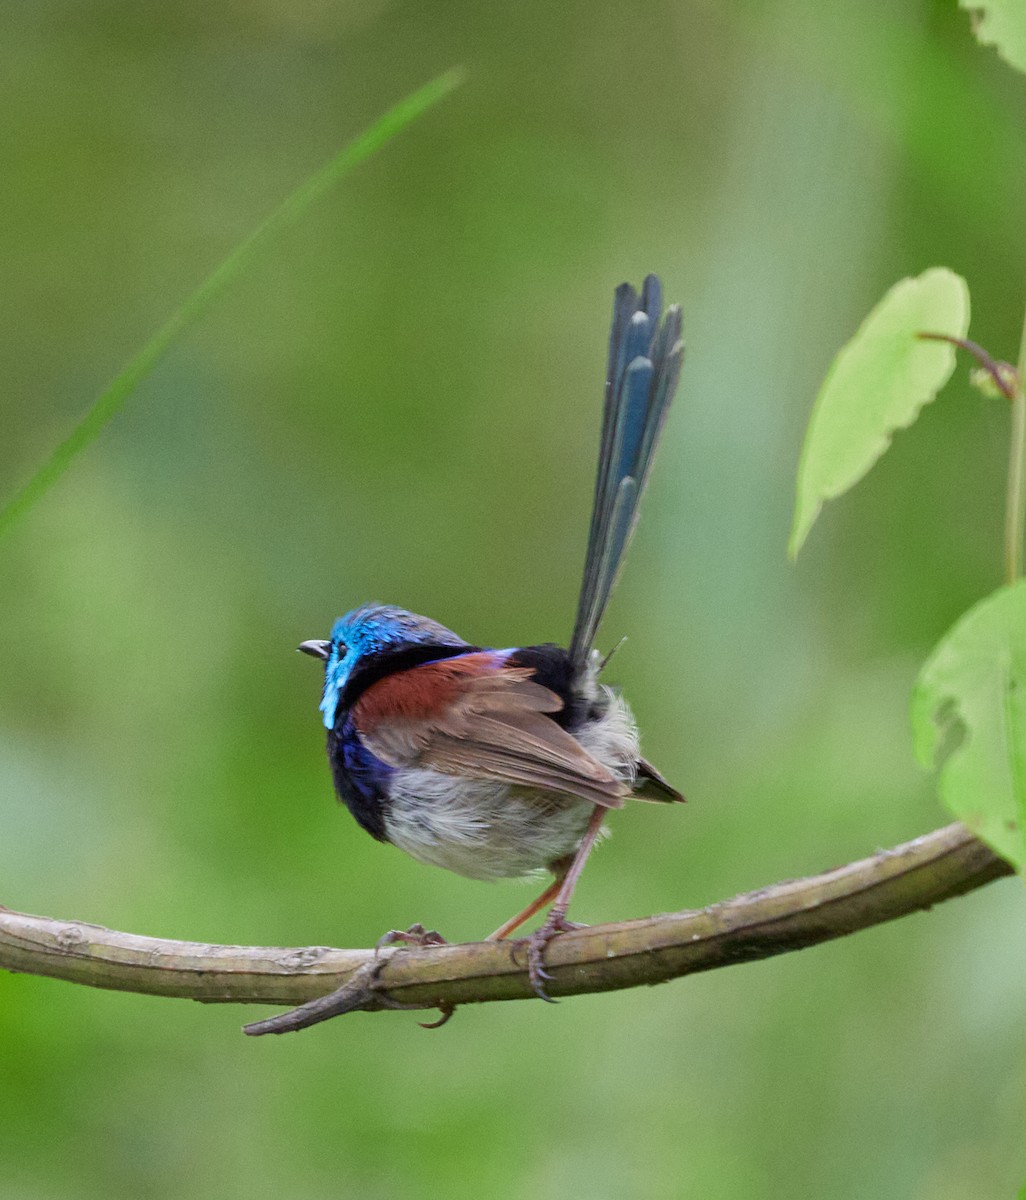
x: 498, y: 763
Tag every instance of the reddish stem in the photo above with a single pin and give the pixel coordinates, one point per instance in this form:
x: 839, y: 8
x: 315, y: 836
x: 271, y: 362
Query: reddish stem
x: 990, y: 365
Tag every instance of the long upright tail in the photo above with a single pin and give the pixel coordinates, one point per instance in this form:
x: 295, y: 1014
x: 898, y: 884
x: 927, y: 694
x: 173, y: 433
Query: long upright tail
x: 645, y: 357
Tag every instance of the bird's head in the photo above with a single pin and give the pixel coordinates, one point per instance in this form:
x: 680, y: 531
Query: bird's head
x: 370, y: 632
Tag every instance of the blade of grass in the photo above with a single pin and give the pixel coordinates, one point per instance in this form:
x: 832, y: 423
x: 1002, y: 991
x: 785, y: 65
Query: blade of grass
x: 288, y: 213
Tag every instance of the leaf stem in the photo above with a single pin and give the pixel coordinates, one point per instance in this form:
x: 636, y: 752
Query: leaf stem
x: 1015, y: 500
x: 998, y: 371
x: 194, y: 306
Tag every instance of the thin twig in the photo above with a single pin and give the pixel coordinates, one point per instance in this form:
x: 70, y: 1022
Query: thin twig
x: 359, y: 990
x: 787, y: 916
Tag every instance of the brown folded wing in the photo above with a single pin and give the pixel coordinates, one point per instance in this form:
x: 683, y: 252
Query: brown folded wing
x: 472, y: 716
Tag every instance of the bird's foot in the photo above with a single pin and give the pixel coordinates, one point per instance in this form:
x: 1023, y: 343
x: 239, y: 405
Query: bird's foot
x: 555, y: 923
x: 416, y: 936
x: 419, y: 938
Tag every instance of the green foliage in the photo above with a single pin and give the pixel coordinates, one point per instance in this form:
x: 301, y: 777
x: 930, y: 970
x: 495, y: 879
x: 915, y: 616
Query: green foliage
x: 969, y: 706
x: 877, y: 384
x: 1001, y: 24
x: 969, y: 716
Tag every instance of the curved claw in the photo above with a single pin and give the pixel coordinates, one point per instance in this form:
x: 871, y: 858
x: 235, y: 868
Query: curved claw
x: 555, y: 924
x: 536, y: 972
x: 446, y: 1011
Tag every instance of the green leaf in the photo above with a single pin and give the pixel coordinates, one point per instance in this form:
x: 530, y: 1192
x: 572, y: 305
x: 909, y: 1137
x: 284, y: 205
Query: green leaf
x: 969, y: 716
x: 877, y: 384
x: 1001, y: 24
x: 195, y: 305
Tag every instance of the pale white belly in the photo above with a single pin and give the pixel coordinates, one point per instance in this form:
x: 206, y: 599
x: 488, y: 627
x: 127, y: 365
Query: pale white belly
x: 494, y: 830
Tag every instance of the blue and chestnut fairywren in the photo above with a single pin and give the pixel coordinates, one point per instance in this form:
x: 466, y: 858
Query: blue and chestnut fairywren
x: 496, y: 763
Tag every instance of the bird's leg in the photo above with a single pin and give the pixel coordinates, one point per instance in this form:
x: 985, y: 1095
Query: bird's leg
x: 550, y: 892
x: 556, y: 921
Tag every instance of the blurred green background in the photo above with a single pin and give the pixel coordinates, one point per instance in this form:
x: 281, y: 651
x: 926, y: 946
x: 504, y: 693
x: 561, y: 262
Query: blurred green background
x: 402, y: 403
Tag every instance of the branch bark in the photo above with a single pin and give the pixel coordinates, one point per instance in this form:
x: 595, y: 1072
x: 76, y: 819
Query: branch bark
x: 773, y: 920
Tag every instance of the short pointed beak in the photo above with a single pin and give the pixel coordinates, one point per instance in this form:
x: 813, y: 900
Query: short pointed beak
x: 315, y: 649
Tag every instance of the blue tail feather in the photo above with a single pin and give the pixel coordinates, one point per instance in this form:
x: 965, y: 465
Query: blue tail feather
x: 645, y: 354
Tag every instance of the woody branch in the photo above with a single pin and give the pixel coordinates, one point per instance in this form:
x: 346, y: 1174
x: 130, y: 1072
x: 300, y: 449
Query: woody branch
x: 773, y: 920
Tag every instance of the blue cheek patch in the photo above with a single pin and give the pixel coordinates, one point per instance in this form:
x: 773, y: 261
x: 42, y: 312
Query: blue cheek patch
x: 335, y: 674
